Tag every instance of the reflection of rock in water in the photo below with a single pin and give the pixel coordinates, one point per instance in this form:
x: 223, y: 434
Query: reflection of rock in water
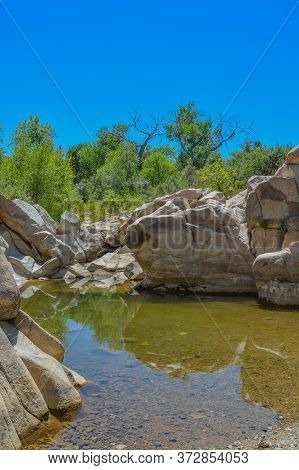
x: 182, y: 338
x: 105, y: 313
x: 272, y: 380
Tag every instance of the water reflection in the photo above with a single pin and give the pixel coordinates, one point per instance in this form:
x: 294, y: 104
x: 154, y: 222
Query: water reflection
x: 229, y: 353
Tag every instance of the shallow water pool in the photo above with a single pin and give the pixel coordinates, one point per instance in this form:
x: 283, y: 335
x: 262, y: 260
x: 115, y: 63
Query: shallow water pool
x: 169, y: 372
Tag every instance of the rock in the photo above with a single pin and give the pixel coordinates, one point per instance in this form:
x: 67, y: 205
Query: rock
x: 293, y: 156
x: 40, y: 337
x: 123, y: 250
x: 265, y: 240
x: 202, y: 248
x: 20, y: 379
x: 36, y: 229
x: 49, y: 222
x: 279, y: 293
x: 114, y: 280
x: 76, y: 379
x: 79, y: 271
x: 48, y: 374
x: 22, y: 218
x: 47, y: 269
x: 291, y: 232
x: 277, y: 275
x: 288, y: 171
x: 292, y: 224
x: 9, y: 439
x: 271, y: 201
x: 112, y: 239
x: 9, y: 292
x: 81, y: 283
x: 100, y: 274
x: 24, y: 264
x: 75, y: 246
x: 111, y: 262
x: 133, y: 271
x: 239, y: 200
x: 92, y: 243
x: 69, y: 224
x: 63, y: 274
x: 51, y: 247
x: 20, y: 421
x: 189, y: 194
x: 4, y: 245
x: 214, y: 195
x: 16, y: 247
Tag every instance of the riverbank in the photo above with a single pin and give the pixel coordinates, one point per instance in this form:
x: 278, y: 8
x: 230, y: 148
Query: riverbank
x: 286, y: 438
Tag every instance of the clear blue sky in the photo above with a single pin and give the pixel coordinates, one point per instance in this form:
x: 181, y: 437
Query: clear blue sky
x: 112, y: 56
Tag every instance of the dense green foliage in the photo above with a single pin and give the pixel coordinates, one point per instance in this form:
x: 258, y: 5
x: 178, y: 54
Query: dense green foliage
x: 37, y: 171
x: 119, y: 172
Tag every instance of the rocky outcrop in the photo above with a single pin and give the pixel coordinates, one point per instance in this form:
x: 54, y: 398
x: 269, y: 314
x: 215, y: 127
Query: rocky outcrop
x: 9, y: 294
x: 32, y: 380
x: 37, y: 247
x: 193, y: 240
x: 272, y: 213
x: 196, y: 239
x: 277, y: 275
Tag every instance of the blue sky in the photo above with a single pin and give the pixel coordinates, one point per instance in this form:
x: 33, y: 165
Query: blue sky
x: 109, y: 57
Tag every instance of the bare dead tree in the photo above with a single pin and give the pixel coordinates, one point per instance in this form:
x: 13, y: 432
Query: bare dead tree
x: 224, y: 131
x: 146, y: 132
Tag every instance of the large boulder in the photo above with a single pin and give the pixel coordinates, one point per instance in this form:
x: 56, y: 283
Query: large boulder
x: 9, y: 293
x: 23, y: 218
x: 272, y: 213
x: 37, y: 335
x: 293, y: 156
x: 69, y: 224
x: 277, y: 275
x: 20, y: 379
x: 203, y: 248
x: 86, y: 240
x: 32, y: 381
x: 36, y: 229
x: 48, y: 374
x: 271, y: 202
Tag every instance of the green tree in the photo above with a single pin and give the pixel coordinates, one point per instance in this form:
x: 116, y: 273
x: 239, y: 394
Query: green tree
x: 37, y: 171
x: 198, y: 139
x: 1, y: 149
x: 189, y: 176
x: 254, y: 158
x: 85, y: 160
x: 119, y: 172
x: 217, y: 176
x: 137, y: 134
x: 157, y: 168
x: 32, y: 132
